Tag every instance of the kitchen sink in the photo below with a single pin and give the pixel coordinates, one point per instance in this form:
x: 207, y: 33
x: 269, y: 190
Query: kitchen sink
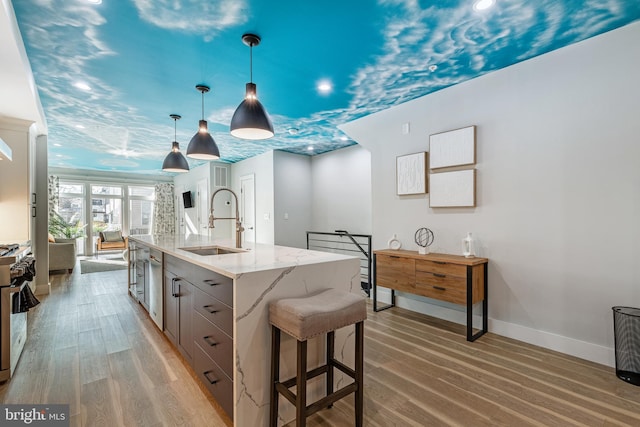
x: 213, y: 250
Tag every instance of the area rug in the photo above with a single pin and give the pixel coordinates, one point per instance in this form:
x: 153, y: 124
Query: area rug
x: 103, y: 264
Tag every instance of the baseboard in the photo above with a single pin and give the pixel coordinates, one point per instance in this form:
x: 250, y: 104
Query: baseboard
x: 453, y: 313
x: 43, y: 289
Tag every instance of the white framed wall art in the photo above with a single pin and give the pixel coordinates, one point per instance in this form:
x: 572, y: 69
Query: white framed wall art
x: 411, y: 174
x: 453, y: 148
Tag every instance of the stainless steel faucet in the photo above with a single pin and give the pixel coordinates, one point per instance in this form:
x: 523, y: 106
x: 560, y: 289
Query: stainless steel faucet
x: 239, y: 227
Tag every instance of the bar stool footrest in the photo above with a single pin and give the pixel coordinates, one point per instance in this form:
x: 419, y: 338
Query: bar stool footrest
x: 311, y: 374
x: 331, y: 399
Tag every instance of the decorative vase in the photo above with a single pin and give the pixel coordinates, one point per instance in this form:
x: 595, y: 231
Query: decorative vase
x: 394, y: 243
x: 468, y: 249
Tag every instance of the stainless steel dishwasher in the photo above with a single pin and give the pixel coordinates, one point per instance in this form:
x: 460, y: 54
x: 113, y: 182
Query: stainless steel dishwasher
x: 154, y: 290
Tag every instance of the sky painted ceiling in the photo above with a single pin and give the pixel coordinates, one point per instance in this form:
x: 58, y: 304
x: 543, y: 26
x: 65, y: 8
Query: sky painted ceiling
x: 141, y: 60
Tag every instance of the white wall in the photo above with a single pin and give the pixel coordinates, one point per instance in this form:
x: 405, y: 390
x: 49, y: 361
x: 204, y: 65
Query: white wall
x: 262, y: 167
x: 341, y: 191
x: 558, y: 199
x: 188, y: 182
x: 292, y: 198
x: 222, y: 208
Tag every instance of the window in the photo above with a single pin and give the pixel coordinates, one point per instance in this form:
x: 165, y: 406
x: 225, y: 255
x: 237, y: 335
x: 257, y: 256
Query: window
x: 71, y: 207
x: 141, y: 204
x: 106, y: 209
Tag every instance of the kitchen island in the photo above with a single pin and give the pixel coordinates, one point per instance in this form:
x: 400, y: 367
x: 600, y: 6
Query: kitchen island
x: 229, y: 294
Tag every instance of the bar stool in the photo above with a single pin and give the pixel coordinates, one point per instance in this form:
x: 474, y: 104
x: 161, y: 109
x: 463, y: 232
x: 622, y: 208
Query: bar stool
x: 307, y: 317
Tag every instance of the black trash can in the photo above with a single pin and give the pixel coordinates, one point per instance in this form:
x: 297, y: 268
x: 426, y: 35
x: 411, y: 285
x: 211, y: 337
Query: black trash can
x: 626, y: 330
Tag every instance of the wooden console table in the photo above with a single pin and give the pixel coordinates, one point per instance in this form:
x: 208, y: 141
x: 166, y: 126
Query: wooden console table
x: 444, y: 277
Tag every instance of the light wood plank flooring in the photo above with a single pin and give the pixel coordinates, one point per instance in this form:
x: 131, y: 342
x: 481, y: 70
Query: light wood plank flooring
x: 91, y: 346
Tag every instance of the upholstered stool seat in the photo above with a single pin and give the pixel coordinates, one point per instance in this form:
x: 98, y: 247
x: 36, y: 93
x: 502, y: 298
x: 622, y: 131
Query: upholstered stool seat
x: 305, y: 318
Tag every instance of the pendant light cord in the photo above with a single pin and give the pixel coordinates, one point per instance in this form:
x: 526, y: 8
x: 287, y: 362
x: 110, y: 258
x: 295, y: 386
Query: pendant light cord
x: 251, y: 62
x: 202, y: 105
x: 175, y: 129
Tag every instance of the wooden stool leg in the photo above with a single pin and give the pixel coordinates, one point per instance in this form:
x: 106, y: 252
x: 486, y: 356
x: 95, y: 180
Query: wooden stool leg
x: 275, y: 375
x: 301, y: 385
x: 331, y: 339
x: 359, y: 404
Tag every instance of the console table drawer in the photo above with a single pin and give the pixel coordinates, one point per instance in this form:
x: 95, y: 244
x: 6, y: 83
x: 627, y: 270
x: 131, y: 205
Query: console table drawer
x: 395, y: 272
x: 451, y: 289
x: 440, y: 267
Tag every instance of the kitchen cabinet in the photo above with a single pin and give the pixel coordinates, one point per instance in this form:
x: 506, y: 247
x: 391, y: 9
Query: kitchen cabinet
x: 178, y: 313
x: 199, y: 321
x: 450, y: 278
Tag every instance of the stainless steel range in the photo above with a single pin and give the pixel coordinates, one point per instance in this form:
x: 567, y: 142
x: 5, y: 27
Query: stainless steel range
x: 13, y: 314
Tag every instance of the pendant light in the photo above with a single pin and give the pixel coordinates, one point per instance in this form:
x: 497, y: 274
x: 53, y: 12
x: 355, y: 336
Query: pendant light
x: 251, y: 120
x: 202, y: 146
x: 175, y: 161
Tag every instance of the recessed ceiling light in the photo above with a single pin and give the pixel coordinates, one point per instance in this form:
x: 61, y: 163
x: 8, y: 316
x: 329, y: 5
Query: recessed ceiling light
x: 310, y: 148
x: 324, y: 86
x: 57, y: 145
x: 79, y: 127
x: 483, y: 4
x: 293, y: 131
x: 94, y: 1
x: 82, y: 86
x: 58, y: 155
x: 432, y: 68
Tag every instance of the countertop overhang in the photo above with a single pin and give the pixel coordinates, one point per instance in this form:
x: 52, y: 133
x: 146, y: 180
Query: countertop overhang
x: 258, y: 256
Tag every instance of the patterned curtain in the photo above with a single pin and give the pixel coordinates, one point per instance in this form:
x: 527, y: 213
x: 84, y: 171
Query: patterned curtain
x: 164, y: 221
x: 54, y: 193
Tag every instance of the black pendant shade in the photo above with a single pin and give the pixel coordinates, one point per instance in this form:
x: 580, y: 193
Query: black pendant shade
x: 251, y: 120
x: 202, y: 146
x: 175, y: 161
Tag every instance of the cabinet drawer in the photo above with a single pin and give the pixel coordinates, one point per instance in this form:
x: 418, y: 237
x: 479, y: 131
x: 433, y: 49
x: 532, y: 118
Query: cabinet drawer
x: 451, y: 289
x: 214, y: 284
x: 214, y: 342
x: 441, y: 267
x: 214, y: 311
x: 219, y: 385
x: 395, y: 272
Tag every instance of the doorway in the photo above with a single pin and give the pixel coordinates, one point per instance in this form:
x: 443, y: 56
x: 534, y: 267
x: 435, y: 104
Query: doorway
x: 248, y: 207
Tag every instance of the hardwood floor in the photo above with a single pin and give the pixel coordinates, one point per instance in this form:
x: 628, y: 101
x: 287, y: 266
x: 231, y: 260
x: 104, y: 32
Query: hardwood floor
x: 91, y: 346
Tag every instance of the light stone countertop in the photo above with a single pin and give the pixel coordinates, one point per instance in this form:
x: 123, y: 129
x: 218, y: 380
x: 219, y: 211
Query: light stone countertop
x: 258, y: 257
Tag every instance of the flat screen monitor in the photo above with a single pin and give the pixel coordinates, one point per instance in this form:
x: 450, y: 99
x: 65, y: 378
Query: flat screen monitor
x: 186, y: 199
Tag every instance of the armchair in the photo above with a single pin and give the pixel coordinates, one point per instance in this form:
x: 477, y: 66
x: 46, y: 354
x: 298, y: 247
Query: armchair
x: 109, y: 241
x: 62, y: 255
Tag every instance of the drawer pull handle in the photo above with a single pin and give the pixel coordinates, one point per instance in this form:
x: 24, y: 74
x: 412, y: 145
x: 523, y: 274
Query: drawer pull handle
x: 209, y: 309
x: 393, y: 256
x: 211, y: 282
x: 210, y: 341
x: 439, y: 288
x: 439, y: 275
x: 439, y: 262
x: 206, y: 375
